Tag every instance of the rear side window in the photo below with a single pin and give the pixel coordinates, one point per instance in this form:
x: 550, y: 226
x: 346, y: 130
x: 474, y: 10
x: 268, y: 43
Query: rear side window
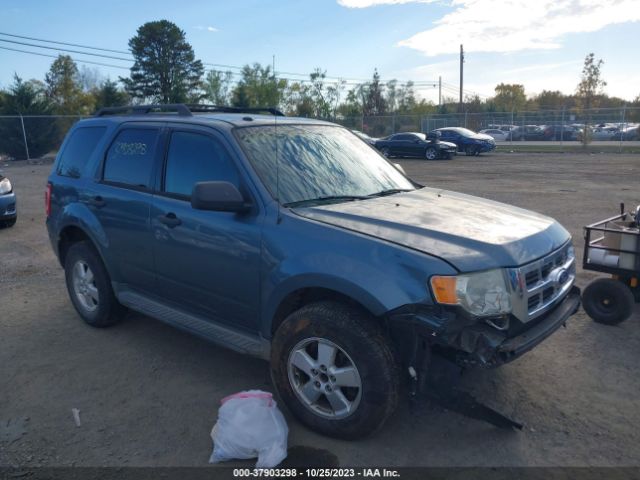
x: 130, y: 157
x: 193, y: 158
x: 78, y: 150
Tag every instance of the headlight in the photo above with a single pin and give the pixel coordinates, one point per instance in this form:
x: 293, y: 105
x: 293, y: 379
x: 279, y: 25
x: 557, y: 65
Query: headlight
x: 481, y: 294
x: 5, y: 186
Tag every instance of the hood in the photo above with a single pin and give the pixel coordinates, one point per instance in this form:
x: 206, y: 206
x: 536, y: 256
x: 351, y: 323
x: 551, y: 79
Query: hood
x: 470, y: 233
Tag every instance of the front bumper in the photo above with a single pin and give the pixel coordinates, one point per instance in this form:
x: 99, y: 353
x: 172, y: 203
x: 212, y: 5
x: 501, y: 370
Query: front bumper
x: 8, y: 206
x: 472, y: 343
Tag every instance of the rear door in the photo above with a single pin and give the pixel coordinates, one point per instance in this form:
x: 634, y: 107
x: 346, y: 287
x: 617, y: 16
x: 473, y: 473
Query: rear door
x: 206, y: 262
x: 121, y: 201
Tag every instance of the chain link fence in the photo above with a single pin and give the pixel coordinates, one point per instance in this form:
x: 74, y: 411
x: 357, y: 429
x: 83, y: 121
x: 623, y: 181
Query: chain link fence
x: 565, y: 125
x: 36, y: 136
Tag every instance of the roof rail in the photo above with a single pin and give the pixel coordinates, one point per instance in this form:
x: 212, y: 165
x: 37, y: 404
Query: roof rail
x: 193, y: 107
x: 179, y: 108
x: 182, y: 109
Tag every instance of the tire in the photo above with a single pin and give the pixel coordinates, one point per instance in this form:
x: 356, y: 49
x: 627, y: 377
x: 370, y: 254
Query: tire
x: 89, y: 286
x: 385, y: 152
x: 367, y: 396
x: 431, y: 153
x: 470, y: 150
x: 608, y: 301
x: 8, y: 223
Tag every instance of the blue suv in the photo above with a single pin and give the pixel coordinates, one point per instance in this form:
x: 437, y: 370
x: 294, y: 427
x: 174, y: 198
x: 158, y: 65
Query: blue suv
x: 294, y: 241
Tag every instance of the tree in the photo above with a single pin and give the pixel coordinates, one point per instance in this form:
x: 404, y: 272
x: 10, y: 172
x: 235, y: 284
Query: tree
x: 165, y: 68
x: 374, y: 102
x: 589, y: 89
x: 406, y: 98
x: 89, y: 79
x: 509, y: 97
x: 258, y: 87
x: 298, y: 100
x: 550, y: 99
x: 27, y: 98
x: 64, y: 88
x: 109, y: 95
x: 217, y: 87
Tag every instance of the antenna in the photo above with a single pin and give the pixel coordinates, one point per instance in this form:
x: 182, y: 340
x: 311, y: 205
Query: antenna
x: 275, y: 128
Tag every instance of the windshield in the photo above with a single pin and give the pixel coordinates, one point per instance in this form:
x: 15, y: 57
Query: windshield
x: 317, y: 162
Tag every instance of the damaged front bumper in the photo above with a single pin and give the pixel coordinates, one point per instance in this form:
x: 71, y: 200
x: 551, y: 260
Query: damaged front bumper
x: 472, y: 342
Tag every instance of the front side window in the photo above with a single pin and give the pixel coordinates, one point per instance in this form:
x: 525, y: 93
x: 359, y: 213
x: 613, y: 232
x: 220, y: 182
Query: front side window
x: 130, y: 157
x: 193, y: 158
x: 78, y: 150
x: 298, y: 163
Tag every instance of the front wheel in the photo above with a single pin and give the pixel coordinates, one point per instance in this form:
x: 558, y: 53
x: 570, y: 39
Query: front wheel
x: 431, y: 153
x: 608, y: 301
x: 470, y: 150
x: 335, y: 370
x: 385, y: 152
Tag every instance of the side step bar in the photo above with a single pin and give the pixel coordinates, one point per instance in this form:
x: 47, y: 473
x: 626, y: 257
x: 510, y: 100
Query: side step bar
x: 221, y: 335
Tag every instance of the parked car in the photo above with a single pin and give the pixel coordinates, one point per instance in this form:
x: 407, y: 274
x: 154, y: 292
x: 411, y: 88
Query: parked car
x: 535, y: 133
x: 561, y: 132
x: 291, y: 240
x: 497, y: 135
x: 605, y: 133
x: 627, y: 133
x: 410, y: 144
x: 8, y: 209
x: 469, y: 142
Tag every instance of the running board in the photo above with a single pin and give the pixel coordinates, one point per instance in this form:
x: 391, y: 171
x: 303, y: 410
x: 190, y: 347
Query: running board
x: 223, y: 336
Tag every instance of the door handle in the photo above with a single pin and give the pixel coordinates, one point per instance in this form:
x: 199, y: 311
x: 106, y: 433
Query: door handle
x: 170, y: 220
x: 97, y: 202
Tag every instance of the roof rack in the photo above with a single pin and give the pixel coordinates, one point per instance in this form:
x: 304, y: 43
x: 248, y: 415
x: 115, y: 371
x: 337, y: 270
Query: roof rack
x: 183, y: 110
x: 225, y: 109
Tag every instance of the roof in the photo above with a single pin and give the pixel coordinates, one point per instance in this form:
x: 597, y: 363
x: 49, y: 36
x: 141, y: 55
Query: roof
x: 236, y: 116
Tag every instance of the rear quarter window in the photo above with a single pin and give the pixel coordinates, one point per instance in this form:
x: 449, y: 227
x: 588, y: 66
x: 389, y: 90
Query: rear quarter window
x: 79, y: 148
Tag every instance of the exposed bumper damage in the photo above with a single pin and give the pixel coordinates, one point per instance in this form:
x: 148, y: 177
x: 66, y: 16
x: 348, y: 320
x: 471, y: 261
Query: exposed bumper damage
x: 470, y: 342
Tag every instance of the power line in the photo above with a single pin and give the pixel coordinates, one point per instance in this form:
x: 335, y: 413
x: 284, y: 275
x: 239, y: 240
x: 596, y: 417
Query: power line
x: 55, y: 56
x: 64, y: 43
x: 65, y: 50
x: 332, y: 80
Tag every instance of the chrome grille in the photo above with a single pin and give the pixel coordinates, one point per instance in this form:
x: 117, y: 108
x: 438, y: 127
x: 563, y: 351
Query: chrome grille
x: 539, y: 285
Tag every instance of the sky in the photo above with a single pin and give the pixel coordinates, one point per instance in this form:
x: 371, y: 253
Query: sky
x: 538, y: 43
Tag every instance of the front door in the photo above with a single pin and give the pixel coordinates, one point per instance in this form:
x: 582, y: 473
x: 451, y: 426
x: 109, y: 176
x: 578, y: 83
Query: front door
x: 206, y: 262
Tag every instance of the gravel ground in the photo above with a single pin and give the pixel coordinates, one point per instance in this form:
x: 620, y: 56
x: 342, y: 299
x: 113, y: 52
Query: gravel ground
x: 148, y: 394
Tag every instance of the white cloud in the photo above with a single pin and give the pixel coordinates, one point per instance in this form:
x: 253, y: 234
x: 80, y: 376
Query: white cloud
x: 208, y: 29
x: 515, y: 25
x: 373, y: 3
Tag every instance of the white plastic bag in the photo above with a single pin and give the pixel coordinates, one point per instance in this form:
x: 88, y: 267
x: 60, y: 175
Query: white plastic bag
x: 250, y: 425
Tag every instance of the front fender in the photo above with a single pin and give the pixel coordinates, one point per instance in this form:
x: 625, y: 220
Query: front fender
x: 383, y: 278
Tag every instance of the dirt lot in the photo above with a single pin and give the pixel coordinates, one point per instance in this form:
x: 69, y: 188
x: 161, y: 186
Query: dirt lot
x: 148, y: 394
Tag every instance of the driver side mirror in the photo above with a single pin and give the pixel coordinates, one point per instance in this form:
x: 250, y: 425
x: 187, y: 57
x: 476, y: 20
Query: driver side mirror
x: 218, y: 197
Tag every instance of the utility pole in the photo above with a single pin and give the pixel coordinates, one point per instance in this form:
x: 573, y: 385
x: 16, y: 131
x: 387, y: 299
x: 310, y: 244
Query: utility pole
x: 461, y: 75
x: 439, y: 91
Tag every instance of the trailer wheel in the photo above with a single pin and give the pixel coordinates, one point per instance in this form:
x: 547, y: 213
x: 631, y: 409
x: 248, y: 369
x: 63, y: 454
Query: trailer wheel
x: 608, y: 301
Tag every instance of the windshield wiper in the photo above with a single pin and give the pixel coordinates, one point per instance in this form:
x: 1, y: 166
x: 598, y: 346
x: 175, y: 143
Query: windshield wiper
x: 391, y: 191
x: 320, y: 200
